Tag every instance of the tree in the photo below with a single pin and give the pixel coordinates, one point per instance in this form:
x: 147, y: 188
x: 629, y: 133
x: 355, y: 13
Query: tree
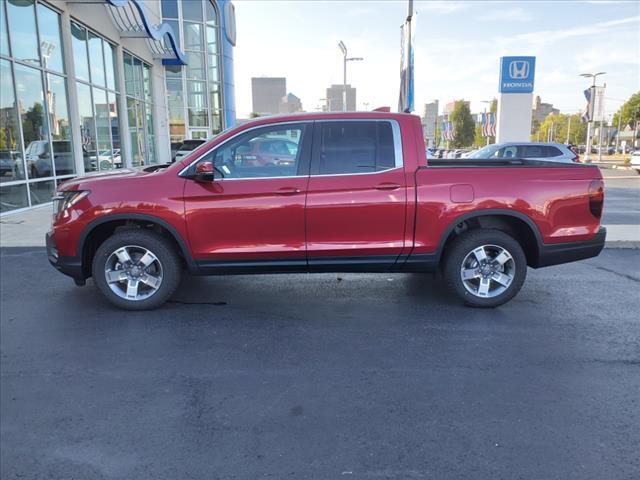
x: 630, y: 112
x: 463, y: 125
x: 554, y: 128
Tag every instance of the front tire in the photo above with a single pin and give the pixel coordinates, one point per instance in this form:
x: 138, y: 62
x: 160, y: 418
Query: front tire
x: 136, y: 269
x: 485, y: 268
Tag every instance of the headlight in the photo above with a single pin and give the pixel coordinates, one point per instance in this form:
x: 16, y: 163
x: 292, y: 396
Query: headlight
x: 67, y: 199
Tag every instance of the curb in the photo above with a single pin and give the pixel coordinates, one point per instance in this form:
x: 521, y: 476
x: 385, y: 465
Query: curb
x: 628, y: 244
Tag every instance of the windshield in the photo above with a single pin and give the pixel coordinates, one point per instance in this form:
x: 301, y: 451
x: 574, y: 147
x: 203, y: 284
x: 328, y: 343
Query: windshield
x: 486, y: 152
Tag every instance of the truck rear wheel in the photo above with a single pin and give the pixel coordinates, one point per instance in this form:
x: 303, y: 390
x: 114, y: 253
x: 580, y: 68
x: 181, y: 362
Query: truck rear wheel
x: 485, y: 268
x: 136, y: 269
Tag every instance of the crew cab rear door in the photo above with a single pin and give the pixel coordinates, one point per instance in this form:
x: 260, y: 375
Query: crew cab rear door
x: 356, y: 197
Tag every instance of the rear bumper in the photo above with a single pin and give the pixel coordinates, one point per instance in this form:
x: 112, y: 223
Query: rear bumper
x: 571, y: 252
x: 70, y: 266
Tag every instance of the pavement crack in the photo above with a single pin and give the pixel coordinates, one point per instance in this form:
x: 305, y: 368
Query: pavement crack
x: 624, y: 275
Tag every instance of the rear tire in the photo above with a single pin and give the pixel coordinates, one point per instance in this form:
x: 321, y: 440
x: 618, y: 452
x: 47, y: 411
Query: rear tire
x: 485, y: 267
x: 136, y: 269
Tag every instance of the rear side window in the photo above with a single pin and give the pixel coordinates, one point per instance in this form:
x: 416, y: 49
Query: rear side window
x: 533, y: 151
x: 354, y: 147
x: 552, y: 152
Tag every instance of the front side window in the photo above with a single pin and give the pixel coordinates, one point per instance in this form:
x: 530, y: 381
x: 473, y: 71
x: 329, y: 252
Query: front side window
x: 508, y: 152
x: 354, y: 147
x: 262, y: 153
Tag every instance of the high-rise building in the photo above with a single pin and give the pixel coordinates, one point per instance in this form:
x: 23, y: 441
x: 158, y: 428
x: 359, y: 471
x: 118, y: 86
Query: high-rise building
x: 267, y: 93
x: 335, y: 95
x: 429, y: 119
x: 541, y: 110
x: 290, y: 104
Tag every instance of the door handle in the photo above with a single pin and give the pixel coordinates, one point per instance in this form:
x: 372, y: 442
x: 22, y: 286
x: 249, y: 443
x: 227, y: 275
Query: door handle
x: 288, y: 191
x: 387, y: 186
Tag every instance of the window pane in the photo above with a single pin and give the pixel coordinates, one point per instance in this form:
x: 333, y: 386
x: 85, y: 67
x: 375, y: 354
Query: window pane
x: 146, y: 76
x: 193, y: 37
x: 109, y: 61
x: 212, y: 15
x: 170, y: 8
x: 213, y: 68
x: 196, y: 101
x: 129, y: 81
x: 136, y: 131
x: 11, y: 160
x: 4, y: 38
x: 41, y: 192
x: 87, y: 127
x: 34, y: 122
x: 79, y: 44
x: 13, y: 197
x: 216, y: 122
x: 212, y: 40
x: 97, y: 60
x: 192, y: 11
x: 50, y: 43
x: 137, y: 78
x: 348, y: 147
x: 175, y: 95
x: 60, y: 127
x: 386, y: 155
x: 195, y: 65
x: 103, y: 128
x: 114, y: 121
x: 214, y: 96
x: 268, y: 152
x: 24, y: 39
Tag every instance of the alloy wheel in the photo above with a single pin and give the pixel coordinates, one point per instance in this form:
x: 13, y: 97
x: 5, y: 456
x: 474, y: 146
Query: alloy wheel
x: 487, y: 271
x: 133, y: 272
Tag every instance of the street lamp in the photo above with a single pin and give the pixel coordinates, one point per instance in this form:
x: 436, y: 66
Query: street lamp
x: 593, y: 93
x: 345, y: 59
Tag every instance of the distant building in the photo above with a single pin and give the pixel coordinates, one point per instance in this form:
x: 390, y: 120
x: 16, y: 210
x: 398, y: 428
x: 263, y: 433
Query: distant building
x: 448, y: 108
x: 541, y: 110
x: 429, y: 119
x: 290, y: 104
x: 267, y: 93
x: 335, y: 98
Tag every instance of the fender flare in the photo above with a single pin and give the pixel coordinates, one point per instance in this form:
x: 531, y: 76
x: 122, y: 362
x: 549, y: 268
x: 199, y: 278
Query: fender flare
x: 491, y: 212
x: 91, y: 226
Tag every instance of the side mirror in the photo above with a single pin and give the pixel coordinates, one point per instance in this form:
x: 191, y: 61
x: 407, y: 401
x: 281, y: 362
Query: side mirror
x: 204, y: 171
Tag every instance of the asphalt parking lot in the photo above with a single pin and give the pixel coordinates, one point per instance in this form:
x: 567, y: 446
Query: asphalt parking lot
x: 312, y: 377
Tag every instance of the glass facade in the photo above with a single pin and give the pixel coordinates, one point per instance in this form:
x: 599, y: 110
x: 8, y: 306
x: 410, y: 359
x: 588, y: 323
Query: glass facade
x: 193, y: 91
x: 96, y: 89
x: 36, y: 151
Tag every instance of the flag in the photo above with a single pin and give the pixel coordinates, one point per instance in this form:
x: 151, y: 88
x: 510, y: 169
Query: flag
x: 405, y: 100
x: 587, y: 114
x: 488, y: 124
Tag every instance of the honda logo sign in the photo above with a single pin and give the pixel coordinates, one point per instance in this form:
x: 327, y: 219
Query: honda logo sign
x: 516, y: 74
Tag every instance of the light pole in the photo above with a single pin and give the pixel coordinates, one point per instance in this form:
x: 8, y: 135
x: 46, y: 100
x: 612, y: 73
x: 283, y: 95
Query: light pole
x: 590, y: 114
x: 345, y: 59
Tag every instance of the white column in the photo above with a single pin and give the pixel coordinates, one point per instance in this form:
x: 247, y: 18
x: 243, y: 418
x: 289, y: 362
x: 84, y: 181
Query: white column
x: 514, y: 117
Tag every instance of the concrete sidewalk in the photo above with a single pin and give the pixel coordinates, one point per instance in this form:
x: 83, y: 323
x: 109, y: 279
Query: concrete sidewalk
x: 27, y: 229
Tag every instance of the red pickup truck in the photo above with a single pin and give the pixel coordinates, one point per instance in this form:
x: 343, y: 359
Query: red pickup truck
x: 342, y: 192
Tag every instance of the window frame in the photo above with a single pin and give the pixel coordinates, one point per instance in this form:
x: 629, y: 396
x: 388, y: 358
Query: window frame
x: 397, y: 146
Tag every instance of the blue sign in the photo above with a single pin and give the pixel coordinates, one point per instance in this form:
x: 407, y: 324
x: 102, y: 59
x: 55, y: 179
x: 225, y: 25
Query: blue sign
x: 516, y: 74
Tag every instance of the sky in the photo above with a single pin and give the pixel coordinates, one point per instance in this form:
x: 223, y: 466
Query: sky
x: 457, y: 48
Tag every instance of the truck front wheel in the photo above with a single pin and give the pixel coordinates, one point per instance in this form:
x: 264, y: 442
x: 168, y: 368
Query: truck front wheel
x: 485, y: 267
x: 136, y: 269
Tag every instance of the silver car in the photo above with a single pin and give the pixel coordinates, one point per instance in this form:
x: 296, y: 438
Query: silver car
x: 549, y: 152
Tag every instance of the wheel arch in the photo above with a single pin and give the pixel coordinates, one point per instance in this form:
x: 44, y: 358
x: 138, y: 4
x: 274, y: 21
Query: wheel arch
x: 101, y: 228
x: 516, y: 224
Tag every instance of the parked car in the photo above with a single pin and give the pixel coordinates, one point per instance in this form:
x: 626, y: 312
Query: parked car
x: 39, y: 158
x: 549, y: 152
x: 635, y: 160
x: 186, y: 148
x: 360, y: 196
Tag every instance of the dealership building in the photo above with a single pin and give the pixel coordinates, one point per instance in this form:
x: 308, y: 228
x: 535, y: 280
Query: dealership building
x: 97, y: 85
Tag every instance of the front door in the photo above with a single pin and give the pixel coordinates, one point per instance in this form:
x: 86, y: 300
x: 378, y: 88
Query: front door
x: 356, y: 201
x: 253, y: 217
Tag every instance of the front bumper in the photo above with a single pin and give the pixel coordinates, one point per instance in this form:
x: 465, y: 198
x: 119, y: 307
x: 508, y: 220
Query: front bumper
x: 71, y: 266
x: 573, y: 251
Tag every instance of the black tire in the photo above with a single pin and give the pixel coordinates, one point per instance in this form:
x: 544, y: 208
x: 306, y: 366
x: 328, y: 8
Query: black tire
x: 463, y: 245
x: 155, y: 243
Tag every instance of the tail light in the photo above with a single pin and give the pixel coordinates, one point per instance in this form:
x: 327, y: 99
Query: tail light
x: 576, y: 153
x: 596, y: 197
